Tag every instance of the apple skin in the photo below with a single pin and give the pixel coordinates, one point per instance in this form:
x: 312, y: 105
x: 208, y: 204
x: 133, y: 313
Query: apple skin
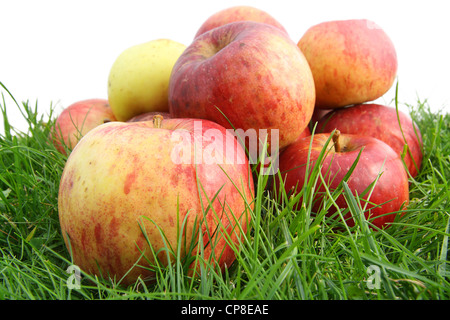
x: 391, y: 191
x: 139, y: 78
x: 352, y: 61
x: 317, y: 115
x: 238, y: 13
x: 304, y: 134
x: 77, y: 119
x: 381, y: 122
x: 123, y: 174
x: 253, y: 72
x: 149, y: 116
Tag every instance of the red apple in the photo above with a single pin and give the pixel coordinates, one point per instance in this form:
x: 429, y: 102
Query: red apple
x: 128, y: 183
x: 148, y: 116
x: 352, y: 61
x: 271, y: 166
x: 237, y: 13
x: 389, y: 196
x: 318, y: 114
x: 253, y: 73
x: 304, y: 134
x: 77, y: 119
x: 382, y: 122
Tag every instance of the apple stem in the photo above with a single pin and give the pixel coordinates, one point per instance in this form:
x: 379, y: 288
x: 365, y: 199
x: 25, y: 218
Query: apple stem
x: 157, y: 121
x: 337, y: 145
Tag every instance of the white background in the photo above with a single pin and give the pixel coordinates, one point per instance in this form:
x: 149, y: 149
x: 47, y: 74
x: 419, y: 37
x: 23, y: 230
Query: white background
x: 59, y: 52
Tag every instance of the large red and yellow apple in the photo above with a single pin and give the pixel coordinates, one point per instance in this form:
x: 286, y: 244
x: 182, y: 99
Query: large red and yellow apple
x: 245, y: 75
x: 238, y: 13
x: 386, y: 123
x: 352, y: 61
x: 77, y: 119
x: 130, y: 187
x: 139, y: 78
x: 390, y: 193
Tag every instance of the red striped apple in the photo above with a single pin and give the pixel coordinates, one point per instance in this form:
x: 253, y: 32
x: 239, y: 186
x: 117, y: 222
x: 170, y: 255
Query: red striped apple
x: 386, y: 123
x: 77, y: 119
x: 390, y: 193
x: 128, y: 187
x: 245, y: 75
x: 352, y: 61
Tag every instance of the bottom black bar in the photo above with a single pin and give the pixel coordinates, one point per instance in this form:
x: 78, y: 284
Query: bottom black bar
x: 224, y: 309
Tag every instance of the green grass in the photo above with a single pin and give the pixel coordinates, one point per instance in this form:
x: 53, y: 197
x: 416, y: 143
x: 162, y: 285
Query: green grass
x: 289, y: 254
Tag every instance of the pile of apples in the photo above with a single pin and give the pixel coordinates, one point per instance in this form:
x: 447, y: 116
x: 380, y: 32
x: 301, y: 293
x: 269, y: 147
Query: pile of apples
x: 157, y: 173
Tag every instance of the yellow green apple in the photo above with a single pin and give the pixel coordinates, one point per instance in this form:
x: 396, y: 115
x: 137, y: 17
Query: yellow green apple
x: 139, y: 78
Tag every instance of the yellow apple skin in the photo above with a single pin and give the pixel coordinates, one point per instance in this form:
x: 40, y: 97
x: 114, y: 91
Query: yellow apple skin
x: 121, y: 179
x: 139, y: 78
x: 352, y: 61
